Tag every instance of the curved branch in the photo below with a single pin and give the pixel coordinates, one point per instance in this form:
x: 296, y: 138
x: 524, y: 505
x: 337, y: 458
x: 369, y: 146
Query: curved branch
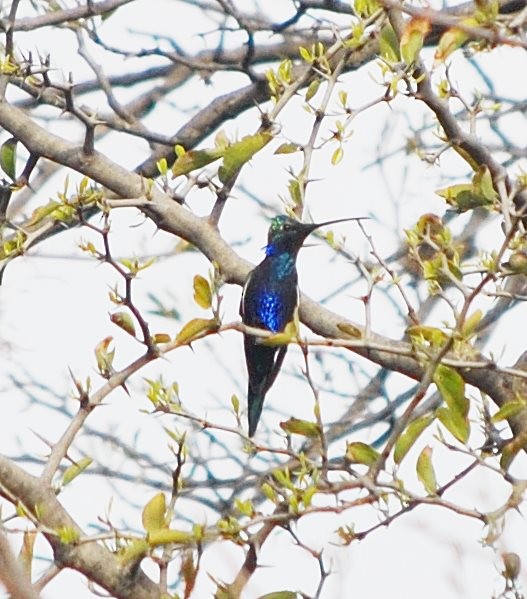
x: 90, y: 558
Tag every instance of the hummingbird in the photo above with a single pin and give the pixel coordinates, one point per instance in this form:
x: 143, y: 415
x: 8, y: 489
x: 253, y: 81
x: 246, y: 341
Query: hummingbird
x: 269, y: 300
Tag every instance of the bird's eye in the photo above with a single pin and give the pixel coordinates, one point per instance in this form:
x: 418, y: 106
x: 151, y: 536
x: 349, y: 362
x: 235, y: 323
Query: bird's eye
x: 286, y: 227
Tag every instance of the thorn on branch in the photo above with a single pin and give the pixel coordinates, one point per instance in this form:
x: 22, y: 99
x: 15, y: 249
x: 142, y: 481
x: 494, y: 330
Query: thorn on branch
x: 89, y: 140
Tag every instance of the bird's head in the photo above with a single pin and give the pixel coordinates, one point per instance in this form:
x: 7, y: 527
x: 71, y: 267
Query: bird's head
x: 287, y: 234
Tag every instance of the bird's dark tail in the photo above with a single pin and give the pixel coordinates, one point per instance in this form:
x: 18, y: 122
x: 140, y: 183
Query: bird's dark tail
x: 268, y: 362
x: 255, y: 404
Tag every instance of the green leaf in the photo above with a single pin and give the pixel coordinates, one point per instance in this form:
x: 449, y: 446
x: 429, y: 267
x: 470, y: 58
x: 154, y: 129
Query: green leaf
x: 295, y: 191
x: 162, y: 166
x: 452, y: 389
x: 412, y: 38
x: 425, y: 471
x: 124, y: 321
x: 194, y: 159
x: 134, y: 551
x: 388, y: 44
x: 165, y: 536
x: 349, y: 329
x: 288, y: 335
x: 471, y: 323
x: 154, y: 514
x: 464, y: 196
x: 312, y: 89
x: 245, y: 508
x: 202, y: 292
x: 482, y: 181
x: 305, y: 54
x: 432, y: 335
x: 510, y: 409
x: 235, y: 403
x: 161, y: 338
x: 67, y: 535
x: 361, y: 453
x: 8, y: 157
x: 105, y: 357
x: 365, y: 8
x: 512, y: 448
x: 195, y: 328
x: 407, y: 439
x: 455, y: 423
x: 287, y: 148
x: 300, y: 427
x: 240, y: 152
x: 337, y: 156
x: 269, y: 492
x: 452, y: 39
x: 74, y: 470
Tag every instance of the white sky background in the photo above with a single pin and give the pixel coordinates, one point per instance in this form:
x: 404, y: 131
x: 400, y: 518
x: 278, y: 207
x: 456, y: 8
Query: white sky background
x: 54, y: 311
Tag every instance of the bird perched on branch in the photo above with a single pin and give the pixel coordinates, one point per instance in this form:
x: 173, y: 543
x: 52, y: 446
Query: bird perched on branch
x: 269, y: 300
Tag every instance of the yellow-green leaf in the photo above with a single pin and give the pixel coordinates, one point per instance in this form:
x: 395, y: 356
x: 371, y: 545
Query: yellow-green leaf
x: 337, y: 156
x: 388, y: 44
x: 67, y: 534
x: 134, y: 551
x: 194, y: 159
x: 195, y: 328
x: 512, y: 448
x: 8, y: 157
x: 165, y: 536
x: 425, y: 471
x: 296, y: 426
x: 288, y: 335
x: 235, y: 403
x: 432, y: 335
x: 455, y: 423
x: 124, y: 321
x: 349, y: 329
x: 305, y: 54
x: 452, y: 39
x: 482, y: 181
x: 245, y: 508
x: 464, y: 196
x: 162, y: 166
x: 287, y: 148
x: 202, y: 292
x: 510, y: 409
x: 365, y: 8
x: 452, y: 389
x: 161, y: 338
x: 412, y: 38
x: 40, y: 213
x: 240, y: 152
x: 361, y: 453
x: 295, y: 191
x: 104, y: 356
x: 471, y: 323
x: 269, y: 492
x: 154, y: 514
x: 409, y: 436
x: 312, y: 89
x: 75, y: 469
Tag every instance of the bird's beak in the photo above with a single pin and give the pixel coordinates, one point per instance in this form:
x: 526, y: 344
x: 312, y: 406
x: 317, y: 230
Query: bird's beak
x: 309, y: 227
